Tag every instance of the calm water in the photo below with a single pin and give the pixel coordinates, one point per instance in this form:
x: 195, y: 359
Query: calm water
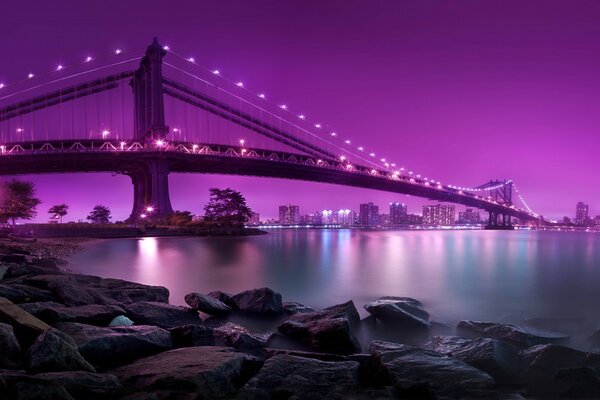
x: 458, y: 275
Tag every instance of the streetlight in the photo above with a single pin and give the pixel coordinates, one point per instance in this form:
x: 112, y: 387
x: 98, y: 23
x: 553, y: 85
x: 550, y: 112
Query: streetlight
x: 105, y: 133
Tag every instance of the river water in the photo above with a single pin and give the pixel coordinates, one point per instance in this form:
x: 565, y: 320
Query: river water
x: 484, y: 275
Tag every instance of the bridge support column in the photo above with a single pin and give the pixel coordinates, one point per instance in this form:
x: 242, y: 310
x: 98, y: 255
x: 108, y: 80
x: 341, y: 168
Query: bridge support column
x: 151, y: 189
x: 505, y: 222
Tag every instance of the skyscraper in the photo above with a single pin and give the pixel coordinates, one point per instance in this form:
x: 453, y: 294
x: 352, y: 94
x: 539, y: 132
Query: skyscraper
x: 439, y: 215
x: 289, y: 215
x: 581, y: 213
x: 469, y: 217
x: 398, y: 212
x: 369, y: 214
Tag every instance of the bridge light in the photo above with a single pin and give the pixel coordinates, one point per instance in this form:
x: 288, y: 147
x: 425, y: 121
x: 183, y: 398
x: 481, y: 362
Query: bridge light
x: 301, y: 116
x: 393, y: 164
x: 283, y: 107
x: 194, y: 147
x: 342, y: 158
x: 347, y: 142
x: 242, y: 141
x: 30, y: 75
x: 349, y: 167
x: 387, y: 164
x: 123, y: 145
x: 143, y: 215
x: 216, y: 72
x: 88, y: 59
x: 59, y: 67
x: 318, y: 126
x: 240, y: 84
x: 319, y: 161
x: 105, y: 133
x: 333, y: 134
x: 372, y: 154
x: 118, y: 51
x: 149, y: 209
x: 360, y: 148
x: 244, y: 151
x: 20, y: 130
x: 176, y: 130
x: 192, y: 59
x: 262, y: 95
x: 1, y: 85
x: 166, y: 48
x: 3, y: 149
x: 160, y: 143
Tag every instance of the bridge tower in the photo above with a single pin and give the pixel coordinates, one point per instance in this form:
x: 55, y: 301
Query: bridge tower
x: 501, y: 193
x: 151, y: 178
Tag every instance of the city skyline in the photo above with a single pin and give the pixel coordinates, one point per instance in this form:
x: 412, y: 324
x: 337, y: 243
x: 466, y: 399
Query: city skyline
x: 430, y: 122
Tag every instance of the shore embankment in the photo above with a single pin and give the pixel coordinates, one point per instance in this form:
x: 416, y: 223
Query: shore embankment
x: 71, y: 336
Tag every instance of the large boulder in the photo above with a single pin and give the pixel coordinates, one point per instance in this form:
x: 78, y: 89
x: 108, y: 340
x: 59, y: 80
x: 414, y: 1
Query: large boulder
x: 263, y: 301
x: 117, y: 345
x: 497, y: 358
x: 207, y: 304
x: 207, y: 372
x: 53, y: 350
x: 38, y: 391
x: 422, y: 373
x: 161, y: 314
x: 330, y: 330
x: 517, y: 335
x: 292, y: 377
x: 192, y: 335
x: 26, y: 326
x: 24, y: 294
x: 240, y: 338
x: 578, y: 383
x: 81, y: 384
x: 543, y: 362
x: 92, y: 314
x: 223, y: 297
x: 291, y: 308
x: 10, y: 350
x: 400, y: 312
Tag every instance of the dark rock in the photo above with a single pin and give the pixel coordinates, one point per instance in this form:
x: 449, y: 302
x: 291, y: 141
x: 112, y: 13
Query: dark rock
x: 38, y: 391
x: 83, y: 384
x: 13, y: 258
x: 208, y: 372
x: 258, y: 301
x: 53, y: 350
x: 517, y: 335
x: 48, y: 262
x: 117, y: 345
x: 238, y: 337
x: 161, y: 314
x: 291, y: 377
x: 270, y: 352
x: 578, y: 383
x: 206, y: 304
x: 542, y: 362
x: 19, y: 270
x: 291, y: 308
x: 330, y: 330
x: 37, y: 307
x: 26, y: 326
x: 223, y: 297
x: 24, y: 294
x: 423, y: 373
x: 10, y: 350
x: 92, y: 314
x: 497, y: 358
x: 192, y: 335
x: 594, y: 340
x: 400, y: 312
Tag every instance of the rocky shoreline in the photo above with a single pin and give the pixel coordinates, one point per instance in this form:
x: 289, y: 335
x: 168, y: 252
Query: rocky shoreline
x: 71, y: 336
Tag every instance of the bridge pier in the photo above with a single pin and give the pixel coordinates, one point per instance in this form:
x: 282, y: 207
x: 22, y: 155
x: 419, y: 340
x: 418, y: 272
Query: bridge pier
x: 505, y: 222
x: 151, y: 189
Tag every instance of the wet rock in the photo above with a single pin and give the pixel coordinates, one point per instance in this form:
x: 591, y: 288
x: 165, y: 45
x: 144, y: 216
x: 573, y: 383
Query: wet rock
x: 192, y: 335
x: 271, y: 352
x: 423, y: 373
x: 291, y: 377
x: 207, y: 372
x: 291, y: 308
x: 238, y: 337
x: 161, y: 314
x: 578, y: 383
x: 19, y: 270
x: 53, y: 350
x: 497, y: 358
x: 120, y: 320
x: 10, y: 350
x: 330, y: 330
x: 37, y: 307
x: 223, y: 297
x: 3, y: 269
x: 83, y: 384
x: 24, y: 294
x: 206, y: 304
x: 400, y: 312
x: 39, y: 391
x: 517, y: 335
x: 542, y: 362
x: 263, y: 301
x: 117, y: 345
x: 92, y: 314
x: 13, y: 258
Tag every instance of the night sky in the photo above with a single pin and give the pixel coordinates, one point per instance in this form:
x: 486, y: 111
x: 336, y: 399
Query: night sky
x: 460, y: 91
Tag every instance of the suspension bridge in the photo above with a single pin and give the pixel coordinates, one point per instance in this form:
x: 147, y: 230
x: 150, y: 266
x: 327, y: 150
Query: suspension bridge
x: 149, y: 114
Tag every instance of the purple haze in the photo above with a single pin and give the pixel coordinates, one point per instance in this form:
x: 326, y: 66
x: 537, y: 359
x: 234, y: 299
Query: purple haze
x: 459, y: 91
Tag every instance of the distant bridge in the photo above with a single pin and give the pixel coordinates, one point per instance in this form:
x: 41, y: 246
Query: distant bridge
x: 57, y: 127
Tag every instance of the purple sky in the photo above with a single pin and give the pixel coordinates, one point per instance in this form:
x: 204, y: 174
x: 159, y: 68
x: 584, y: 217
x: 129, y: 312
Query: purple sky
x: 462, y: 91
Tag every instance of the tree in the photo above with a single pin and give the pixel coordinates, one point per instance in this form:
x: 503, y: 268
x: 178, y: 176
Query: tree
x: 18, y: 201
x: 100, y: 215
x: 227, y: 207
x: 179, y: 218
x: 60, y: 210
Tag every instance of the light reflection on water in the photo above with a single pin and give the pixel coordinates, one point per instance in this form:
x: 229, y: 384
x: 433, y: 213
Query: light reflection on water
x: 457, y: 274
